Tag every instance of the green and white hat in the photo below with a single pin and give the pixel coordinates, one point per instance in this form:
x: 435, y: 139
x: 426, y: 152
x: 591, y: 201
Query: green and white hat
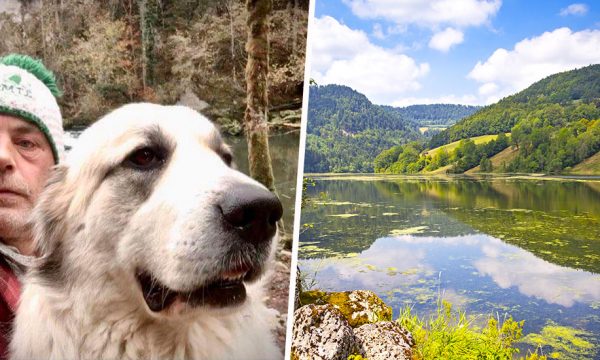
x: 28, y: 90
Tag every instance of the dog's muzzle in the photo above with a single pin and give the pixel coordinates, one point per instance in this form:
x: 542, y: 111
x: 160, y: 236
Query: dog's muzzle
x: 252, y: 212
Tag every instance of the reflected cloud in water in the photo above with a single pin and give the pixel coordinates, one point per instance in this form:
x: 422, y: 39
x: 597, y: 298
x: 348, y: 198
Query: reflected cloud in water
x: 412, y: 261
x: 384, y: 264
x: 510, y: 266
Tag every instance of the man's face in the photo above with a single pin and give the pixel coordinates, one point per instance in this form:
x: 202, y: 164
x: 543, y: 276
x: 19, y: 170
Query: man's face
x: 25, y: 162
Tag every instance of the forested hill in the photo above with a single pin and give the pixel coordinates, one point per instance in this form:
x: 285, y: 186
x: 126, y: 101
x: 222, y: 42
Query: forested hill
x: 570, y: 91
x: 550, y: 127
x: 346, y: 131
x: 436, y: 114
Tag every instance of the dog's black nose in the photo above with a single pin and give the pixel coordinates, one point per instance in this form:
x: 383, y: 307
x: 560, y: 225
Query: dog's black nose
x: 252, y: 211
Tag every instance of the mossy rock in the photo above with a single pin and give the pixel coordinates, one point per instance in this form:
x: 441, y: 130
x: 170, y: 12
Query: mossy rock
x: 321, y: 332
x: 359, y: 307
x: 383, y: 341
x: 229, y: 125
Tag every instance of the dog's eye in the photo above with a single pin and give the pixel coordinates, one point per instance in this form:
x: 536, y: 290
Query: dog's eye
x: 145, y: 159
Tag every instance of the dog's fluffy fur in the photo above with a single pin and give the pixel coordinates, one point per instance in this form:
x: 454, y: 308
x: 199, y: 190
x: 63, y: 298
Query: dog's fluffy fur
x: 100, y: 220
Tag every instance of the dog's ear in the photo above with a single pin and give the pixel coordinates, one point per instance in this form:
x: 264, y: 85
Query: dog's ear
x: 49, y: 214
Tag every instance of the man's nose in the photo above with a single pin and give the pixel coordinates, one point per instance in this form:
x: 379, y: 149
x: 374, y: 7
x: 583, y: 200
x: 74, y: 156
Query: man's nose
x: 7, y: 156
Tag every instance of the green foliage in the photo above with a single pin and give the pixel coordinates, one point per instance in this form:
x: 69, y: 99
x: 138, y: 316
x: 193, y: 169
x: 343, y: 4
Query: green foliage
x: 346, y: 131
x: 465, y: 156
x: 553, y: 122
x: 387, y: 158
x: 557, y: 95
x: 435, y: 114
x: 564, y: 342
x: 485, y: 165
x: 149, y: 11
x: 547, y: 148
x: 450, y: 334
x: 440, y: 159
x: 306, y: 182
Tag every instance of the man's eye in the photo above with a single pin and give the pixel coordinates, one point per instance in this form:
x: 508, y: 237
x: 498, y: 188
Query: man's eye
x: 26, y: 144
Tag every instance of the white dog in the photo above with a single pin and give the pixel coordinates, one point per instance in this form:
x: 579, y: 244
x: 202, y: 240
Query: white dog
x: 151, y: 245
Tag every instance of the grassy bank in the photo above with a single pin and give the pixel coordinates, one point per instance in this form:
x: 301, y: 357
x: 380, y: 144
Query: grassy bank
x: 451, y: 334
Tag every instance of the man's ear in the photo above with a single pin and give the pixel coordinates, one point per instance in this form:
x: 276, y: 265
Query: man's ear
x: 49, y: 213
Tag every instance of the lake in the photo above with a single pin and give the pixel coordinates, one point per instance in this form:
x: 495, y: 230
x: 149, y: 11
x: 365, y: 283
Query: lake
x: 518, y: 246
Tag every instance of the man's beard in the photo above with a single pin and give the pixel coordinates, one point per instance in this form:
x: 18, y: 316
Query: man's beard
x: 14, y: 213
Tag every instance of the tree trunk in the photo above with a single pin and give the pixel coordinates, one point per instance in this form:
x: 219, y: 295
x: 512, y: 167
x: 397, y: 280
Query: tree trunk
x: 257, y: 99
x: 232, y: 36
x: 294, y: 28
x: 44, y: 58
x: 58, y: 8
x: 257, y: 104
x: 148, y: 20
x: 23, y: 12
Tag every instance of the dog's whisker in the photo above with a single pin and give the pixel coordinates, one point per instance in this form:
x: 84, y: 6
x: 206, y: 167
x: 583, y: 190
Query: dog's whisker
x: 152, y: 284
x: 164, y: 297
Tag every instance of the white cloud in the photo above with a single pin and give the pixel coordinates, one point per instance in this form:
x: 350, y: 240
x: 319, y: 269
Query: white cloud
x: 345, y: 56
x: 488, y: 89
x: 574, y: 9
x: 508, y: 71
x: 378, y: 31
x: 334, y: 41
x: 444, y: 40
x: 433, y: 13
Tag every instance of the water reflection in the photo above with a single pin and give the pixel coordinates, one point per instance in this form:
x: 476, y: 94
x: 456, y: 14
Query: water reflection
x: 534, y: 277
x: 528, y: 248
x: 400, y: 262
x: 558, y: 221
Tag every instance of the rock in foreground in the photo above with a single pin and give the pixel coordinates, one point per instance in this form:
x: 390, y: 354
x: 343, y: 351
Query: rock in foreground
x: 359, y: 306
x: 321, y: 333
x: 325, y: 331
x: 383, y: 341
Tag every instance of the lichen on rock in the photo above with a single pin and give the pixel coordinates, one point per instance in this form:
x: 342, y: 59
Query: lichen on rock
x: 359, y: 307
x: 384, y: 340
x: 321, y: 333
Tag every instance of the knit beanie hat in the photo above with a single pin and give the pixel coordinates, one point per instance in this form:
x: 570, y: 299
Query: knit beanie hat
x: 28, y: 91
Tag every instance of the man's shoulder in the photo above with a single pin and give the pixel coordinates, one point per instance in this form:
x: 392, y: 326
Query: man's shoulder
x: 10, y: 289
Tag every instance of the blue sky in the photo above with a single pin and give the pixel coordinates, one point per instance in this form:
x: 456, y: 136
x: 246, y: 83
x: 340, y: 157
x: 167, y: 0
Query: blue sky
x: 402, y: 52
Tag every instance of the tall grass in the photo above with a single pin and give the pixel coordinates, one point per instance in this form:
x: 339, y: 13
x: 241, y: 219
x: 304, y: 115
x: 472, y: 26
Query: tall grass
x: 450, y: 334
